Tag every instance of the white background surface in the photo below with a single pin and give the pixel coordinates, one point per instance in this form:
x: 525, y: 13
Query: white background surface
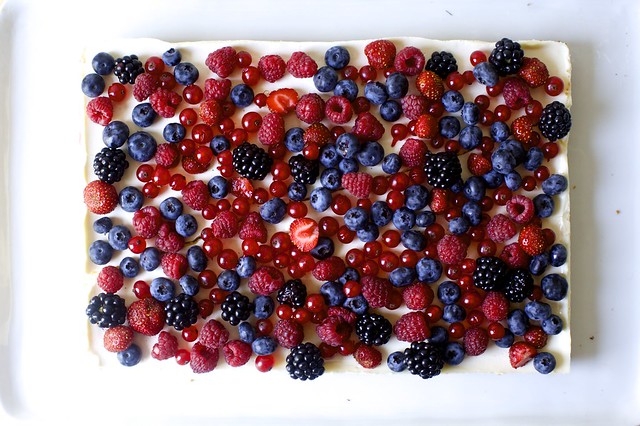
x: 41, y: 376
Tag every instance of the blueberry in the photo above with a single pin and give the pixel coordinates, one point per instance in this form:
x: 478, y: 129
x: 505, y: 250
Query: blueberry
x: 513, y: 181
x: 534, y: 159
x: 347, y: 145
x: 453, y: 313
x: 404, y: 219
x: 150, y: 259
x: 357, y: 305
x: 538, y: 264
x: 486, y: 73
x: 246, y: 332
x: 449, y: 127
x: 129, y: 267
x: 453, y: 353
x: 425, y: 218
x: 174, y: 132
x: 172, y: 57
x: 544, y: 362
x: 218, y: 187
x: 554, y: 185
x: 474, y: 188
x: 470, y: 113
x: 171, y: 208
x: 381, y: 213
x: 452, y: 101
x: 273, y: 211
x: 103, y: 63
x: 186, y: 225
x: 376, y: 92
x: 143, y: 115
x: 557, y: 255
x: 115, y: 134
x: 397, y: 85
x: 263, y: 307
x: 402, y: 276
x: 439, y: 335
x: 119, y: 237
x: 458, y: 225
x: 348, y: 165
x: 100, y: 252
x: 219, y: 144
x: 503, y: 161
x: 350, y: 274
x: 130, y: 356
x: 517, y: 322
x: 371, y: 154
x: 186, y: 73
x: 162, y: 289
x: 499, y: 131
x: 142, y: 147
x: 333, y: 293
x: 347, y: 89
x: 242, y: 95
x: 448, y: 292
x: 552, y: 325
x: 331, y: 179
x: 369, y: 233
x: 470, y: 137
x: 246, y: 266
x: 337, y: 57
x: 472, y: 212
x: 325, y: 79
x: 323, y: 249
x: 429, y: 270
x: 493, y: 179
x: 515, y: 148
x: 413, y: 240
x: 391, y: 163
x: 390, y: 111
x: 92, y: 85
x: 264, y: 345
x: 197, y: 259
x: 507, y: 340
x: 293, y: 139
x: 320, y: 199
x: 189, y: 285
x: 130, y: 199
x: 543, y: 205
x: 102, y: 225
x: 329, y: 156
x: 554, y: 287
x: 395, y: 362
x: 416, y: 197
x: 537, y: 311
x: 297, y: 191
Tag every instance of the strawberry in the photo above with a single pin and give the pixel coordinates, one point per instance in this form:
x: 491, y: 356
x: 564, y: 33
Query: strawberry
x: 304, y: 233
x: 118, y: 338
x: 211, y: 112
x: 146, y: 316
x: 329, y: 269
x: 521, y: 353
x: 241, y: 187
x: 282, y: 101
x: 532, y: 240
x: 357, y: 183
x: 380, y: 54
x: 271, y: 130
x: 166, y: 347
x: 536, y: 336
x: 317, y: 133
x: 430, y: 85
x: 100, y: 197
x: 439, y: 200
x: 253, y: 227
x: 426, y: 126
x: 534, y: 72
x: 412, y: 153
x: 224, y: 225
x: 193, y: 166
x: 368, y: 356
x: 522, y: 129
x: 478, y: 165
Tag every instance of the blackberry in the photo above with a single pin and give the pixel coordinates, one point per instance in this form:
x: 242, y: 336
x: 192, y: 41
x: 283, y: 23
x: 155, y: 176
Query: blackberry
x: 518, y: 285
x: 304, y: 170
x: 128, y: 68
x: 236, y: 308
x: 443, y: 169
x: 251, y: 161
x: 424, y: 359
x: 555, y: 121
x: 106, y: 310
x: 490, y: 273
x: 507, y: 56
x: 442, y: 63
x: 305, y: 362
x: 373, y: 329
x: 109, y: 164
x: 182, y: 311
x: 292, y: 293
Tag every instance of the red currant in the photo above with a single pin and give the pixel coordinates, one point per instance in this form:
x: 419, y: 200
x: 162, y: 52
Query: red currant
x: 141, y: 289
x: 554, y: 86
x: 137, y: 244
x: 117, y: 92
x: 154, y: 65
x: 264, y: 363
x: 192, y: 94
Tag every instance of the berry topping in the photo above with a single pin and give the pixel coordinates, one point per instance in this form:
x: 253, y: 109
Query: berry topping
x: 500, y: 228
x: 443, y: 169
x: 196, y: 195
x: 253, y: 227
x: 442, y: 63
x: 289, y: 333
x: 333, y: 330
x: 516, y: 93
x: 236, y: 353
x: 225, y: 225
x: 106, y: 310
x: 476, y: 340
x: 310, y: 108
x: 430, y: 85
x: 413, y: 152
x: 144, y: 86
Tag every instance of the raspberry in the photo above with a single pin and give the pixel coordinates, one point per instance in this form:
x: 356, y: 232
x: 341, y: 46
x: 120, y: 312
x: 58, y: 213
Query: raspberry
x: 236, y: 353
x: 193, y: 166
x: 310, y: 108
x: 211, y: 112
x: 168, y: 240
x: 516, y: 93
x: 409, y: 61
x: 368, y: 356
x: 329, y: 269
x: 520, y: 209
x: 412, y: 327
x: 534, y: 72
x: 476, y: 340
x: 100, y: 197
x: 144, y: 86
x: 451, y: 249
x: 224, y: 225
x: 174, y: 265
x: 289, y: 333
x: 417, y: 296
x: 478, y: 165
x: 439, y: 200
x: 514, y: 256
x: 426, y: 126
x: 196, y: 195
x: 253, y: 227
x: 272, y: 67
x: 317, y: 134
x: 100, y: 110
x: 522, y: 129
x: 430, y: 85
x: 358, y: 184
x: 167, y: 155
x: 266, y: 280
x: 164, y: 102
x: 520, y: 353
x: 380, y: 54
x: 412, y: 153
x: 532, y: 240
x: 203, y: 359
x: 222, y: 61
x: 349, y: 316
x: 536, y: 337
x: 217, y: 89
x: 146, y: 316
x: 413, y: 106
x: 376, y: 291
x: 495, y: 306
x: 338, y: 110
x: 500, y: 228
x: 213, y: 334
x: 118, y: 338
x: 271, y: 130
x: 301, y: 65
x: 334, y: 330
x: 110, y: 279
x: 147, y: 221
x: 367, y: 127
x: 166, y: 347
